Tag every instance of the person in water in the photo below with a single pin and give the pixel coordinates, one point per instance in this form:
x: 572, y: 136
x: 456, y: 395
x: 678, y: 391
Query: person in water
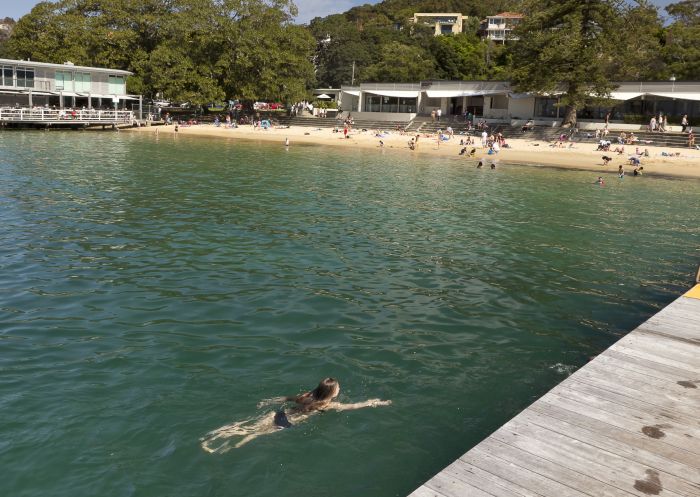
x: 322, y: 398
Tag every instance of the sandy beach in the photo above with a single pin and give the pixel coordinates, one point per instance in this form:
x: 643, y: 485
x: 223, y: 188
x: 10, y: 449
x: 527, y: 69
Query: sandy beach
x: 678, y: 162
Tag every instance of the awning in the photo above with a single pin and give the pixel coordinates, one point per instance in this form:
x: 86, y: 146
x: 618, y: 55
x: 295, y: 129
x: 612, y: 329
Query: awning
x: 678, y: 96
x: 354, y: 93
x: 462, y: 93
x: 323, y: 96
x: 624, y: 95
x: 395, y: 93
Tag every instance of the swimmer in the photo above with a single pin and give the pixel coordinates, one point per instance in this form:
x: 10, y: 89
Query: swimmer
x: 493, y: 165
x: 599, y: 181
x: 480, y: 165
x: 321, y: 398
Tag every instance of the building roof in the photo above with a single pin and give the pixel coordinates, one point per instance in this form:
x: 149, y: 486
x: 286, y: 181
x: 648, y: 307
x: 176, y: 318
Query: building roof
x: 512, y: 15
x: 65, y: 66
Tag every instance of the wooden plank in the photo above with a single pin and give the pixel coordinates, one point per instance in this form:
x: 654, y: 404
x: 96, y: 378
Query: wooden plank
x: 487, y: 482
x: 628, y: 435
x: 683, y: 352
x: 651, y: 368
x: 559, y: 479
x: 691, y: 372
x: 425, y: 491
x: 686, y: 416
x: 449, y: 486
x: 666, y: 394
x: 612, y: 469
x: 620, y: 447
x: 517, y: 474
x: 623, y: 417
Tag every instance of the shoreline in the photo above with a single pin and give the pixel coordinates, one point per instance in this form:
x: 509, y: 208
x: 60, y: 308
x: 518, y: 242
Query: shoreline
x: 582, y: 156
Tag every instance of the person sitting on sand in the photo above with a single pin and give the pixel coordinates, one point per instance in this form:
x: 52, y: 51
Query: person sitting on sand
x: 530, y: 124
x: 633, y: 160
x: 322, y: 398
x: 472, y: 152
x: 620, y: 150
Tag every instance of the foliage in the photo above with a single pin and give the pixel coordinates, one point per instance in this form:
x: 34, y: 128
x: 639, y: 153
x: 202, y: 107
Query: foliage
x: 194, y: 51
x: 681, y: 51
x: 564, y: 47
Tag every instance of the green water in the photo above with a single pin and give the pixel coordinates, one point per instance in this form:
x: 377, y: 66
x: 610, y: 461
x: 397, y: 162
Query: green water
x: 153, y: 290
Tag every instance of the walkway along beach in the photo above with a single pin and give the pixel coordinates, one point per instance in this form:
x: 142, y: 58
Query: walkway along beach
x: 579, y: 156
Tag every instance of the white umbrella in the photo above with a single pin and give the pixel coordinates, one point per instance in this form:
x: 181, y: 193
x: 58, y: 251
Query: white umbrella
x: 323, y: 96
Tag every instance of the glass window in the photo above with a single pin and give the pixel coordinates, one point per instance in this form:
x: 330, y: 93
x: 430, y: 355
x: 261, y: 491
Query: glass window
x: 64, y: 80
x: 116, y: 85
x: 82, y: 82
x: 25, y: 77
x: 546, y: 107
x: 8, y: 76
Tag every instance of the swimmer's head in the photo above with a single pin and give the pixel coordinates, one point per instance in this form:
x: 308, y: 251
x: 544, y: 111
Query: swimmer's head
x: 327, y: 390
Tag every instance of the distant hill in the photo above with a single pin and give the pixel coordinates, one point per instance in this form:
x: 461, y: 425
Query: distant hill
x: 380, y: 43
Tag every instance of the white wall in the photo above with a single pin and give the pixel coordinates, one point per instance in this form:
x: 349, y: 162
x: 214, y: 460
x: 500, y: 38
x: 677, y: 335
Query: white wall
x: 521, y: 108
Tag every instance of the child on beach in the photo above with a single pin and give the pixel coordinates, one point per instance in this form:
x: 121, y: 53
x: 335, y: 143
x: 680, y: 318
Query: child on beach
x: 322, y: 398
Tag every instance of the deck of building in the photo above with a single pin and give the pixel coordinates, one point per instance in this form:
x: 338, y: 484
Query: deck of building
x: 63, y: 117
x: 625, y: 424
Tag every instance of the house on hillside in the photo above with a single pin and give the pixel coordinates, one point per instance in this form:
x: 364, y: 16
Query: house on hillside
x: 499, y: 28
x: 444, y: 23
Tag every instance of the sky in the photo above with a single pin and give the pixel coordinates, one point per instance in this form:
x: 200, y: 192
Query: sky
x: 308, y: 9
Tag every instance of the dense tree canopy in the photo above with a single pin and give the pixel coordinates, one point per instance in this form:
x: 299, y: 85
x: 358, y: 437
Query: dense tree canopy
x: 185, y: 50
x: 205, y: 50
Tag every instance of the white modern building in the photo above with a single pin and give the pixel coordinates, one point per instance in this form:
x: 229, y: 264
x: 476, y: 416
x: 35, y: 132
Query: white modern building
x: 443, y: 23
x: 499, y: 28
x: 28, y: 84
x: 498, y: 101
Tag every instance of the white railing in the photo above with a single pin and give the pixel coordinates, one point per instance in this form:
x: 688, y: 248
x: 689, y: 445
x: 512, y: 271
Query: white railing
x: 41, y: 114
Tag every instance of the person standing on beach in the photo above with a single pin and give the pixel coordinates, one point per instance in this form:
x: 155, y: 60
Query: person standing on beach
x: 345, y: 131
x: 684, y: 122
x: 484, y: 138
x: 432, y: 115
x: 439, y: 114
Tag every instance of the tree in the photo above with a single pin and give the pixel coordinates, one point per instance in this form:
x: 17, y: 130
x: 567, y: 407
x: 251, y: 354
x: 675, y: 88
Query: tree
x: 681, y: 51
x: 637, y: 54
x: 400, y: 64
x: 197, y: 51
x: 564, y: 48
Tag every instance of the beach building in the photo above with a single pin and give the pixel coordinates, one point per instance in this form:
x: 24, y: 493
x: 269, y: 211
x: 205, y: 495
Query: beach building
x: 499, y: 28
x: 444, y: 23
x: 24, y: 83
x: 497, y: 101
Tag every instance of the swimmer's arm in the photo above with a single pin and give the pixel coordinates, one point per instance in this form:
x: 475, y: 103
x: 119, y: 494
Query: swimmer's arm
x: 358, y: 405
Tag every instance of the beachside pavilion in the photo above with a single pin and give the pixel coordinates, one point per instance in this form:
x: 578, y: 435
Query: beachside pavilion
x: 28, y: 84
x: 631, y: 102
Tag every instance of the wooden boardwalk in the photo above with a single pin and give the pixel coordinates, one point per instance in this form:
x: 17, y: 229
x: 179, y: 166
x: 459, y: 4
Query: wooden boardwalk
x: 625, y: 424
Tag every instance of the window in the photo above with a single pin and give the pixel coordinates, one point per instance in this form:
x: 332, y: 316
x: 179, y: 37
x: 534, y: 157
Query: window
x: 64, y: 80
x: 82, y: 82
x: 117, y: 85
x: 546, y: 107
x: 25, y: 77
x: 8, y: 74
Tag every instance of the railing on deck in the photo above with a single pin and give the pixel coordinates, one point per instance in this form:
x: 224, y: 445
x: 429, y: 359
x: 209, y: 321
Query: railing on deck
x: 89, y: 116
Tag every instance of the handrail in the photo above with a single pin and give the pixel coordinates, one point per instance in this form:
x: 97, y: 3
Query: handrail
x: 41, y: 114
